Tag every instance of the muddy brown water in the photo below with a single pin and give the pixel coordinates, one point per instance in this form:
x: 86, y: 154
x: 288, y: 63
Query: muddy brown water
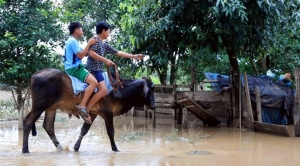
x: 141, y: 145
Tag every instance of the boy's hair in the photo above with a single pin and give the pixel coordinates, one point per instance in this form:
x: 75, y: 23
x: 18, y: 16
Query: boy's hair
x: 102, y: 25
x: 73, y: 26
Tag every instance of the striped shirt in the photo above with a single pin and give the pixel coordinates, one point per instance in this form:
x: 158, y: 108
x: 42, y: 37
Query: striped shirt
x: 101, y: 49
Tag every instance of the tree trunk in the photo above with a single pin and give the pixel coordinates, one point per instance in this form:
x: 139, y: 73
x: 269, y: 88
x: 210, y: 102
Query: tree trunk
x: 28, y: 102
x: 162, y: 74
x: 235, y: 80
x: 20, y: 103
x: 173, y: 70
x: 254, y: 68
x: 193, y: 80
x: 264, y: 64
x: 296, y: 109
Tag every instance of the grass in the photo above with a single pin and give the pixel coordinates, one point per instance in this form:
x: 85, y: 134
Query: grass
x: 192, y: 136
x: 198, y: 152
x: 133, y: 136
x: 154, y: 79
x: 60, y: 118
x: 8, y: 109
x: 173, y: 136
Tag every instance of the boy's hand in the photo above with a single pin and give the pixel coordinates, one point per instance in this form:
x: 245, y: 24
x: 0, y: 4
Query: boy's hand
x: 138, y: 56
x: 109, y: 63
x: 287, y: 76
x: 92, y: 41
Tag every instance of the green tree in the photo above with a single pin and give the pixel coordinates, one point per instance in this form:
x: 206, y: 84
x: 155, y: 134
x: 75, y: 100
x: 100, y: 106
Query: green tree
x: 284, y: 52
x: 172, y: 31
x: 29, y: 31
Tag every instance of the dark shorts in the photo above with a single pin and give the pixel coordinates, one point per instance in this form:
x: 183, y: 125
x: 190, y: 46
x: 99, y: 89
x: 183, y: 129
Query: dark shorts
x: 98, y: 75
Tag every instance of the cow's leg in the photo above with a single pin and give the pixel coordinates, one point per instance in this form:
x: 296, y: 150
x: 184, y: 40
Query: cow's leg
x: 49, y: 126
x: 28, y: 123
x: 109, y: 123
x: 84, y: 129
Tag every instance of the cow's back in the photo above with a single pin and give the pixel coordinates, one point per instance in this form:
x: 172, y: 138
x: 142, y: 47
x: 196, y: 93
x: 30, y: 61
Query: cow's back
x: 46, y: 87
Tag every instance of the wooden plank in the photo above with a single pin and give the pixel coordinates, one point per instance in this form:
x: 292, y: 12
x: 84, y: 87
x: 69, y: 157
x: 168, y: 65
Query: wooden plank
x: 163, y: 86
x: 296, y: 108
x: 164, y: 97
x: 164, y: 100
x: 284, y: 130
x: 198, y: 111
x: 206, y: 96
x: 210, y: 81
x: 258, y: 104
x: 183, y: 86
x: 248, y: 101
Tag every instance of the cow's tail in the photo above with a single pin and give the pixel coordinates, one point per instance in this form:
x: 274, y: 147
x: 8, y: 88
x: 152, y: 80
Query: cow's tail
x: 33, y: 130
x: 46, y: 90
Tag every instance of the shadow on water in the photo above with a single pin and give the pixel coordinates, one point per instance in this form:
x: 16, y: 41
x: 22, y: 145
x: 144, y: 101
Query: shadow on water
x: 140, y: 144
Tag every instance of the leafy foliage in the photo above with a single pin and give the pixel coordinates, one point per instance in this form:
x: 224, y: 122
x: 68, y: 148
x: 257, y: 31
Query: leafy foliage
x: 29, y: 30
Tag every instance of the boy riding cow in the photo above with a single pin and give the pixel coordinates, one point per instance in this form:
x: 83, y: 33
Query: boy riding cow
x: 97, y: 49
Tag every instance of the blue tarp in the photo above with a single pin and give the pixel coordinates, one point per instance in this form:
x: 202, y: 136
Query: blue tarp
x: 277, y: 98
x: 223, y: 80
x: 274, y: 115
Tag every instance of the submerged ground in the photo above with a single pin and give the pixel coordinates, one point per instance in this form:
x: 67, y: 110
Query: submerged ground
x: 140, y: 144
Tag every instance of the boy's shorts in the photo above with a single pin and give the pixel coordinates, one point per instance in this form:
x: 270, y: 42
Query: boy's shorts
x: 98, y: 75
x: 79, y: 72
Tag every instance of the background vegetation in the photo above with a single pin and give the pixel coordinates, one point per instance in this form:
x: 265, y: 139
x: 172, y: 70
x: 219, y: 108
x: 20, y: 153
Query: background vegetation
x: 183, y: 38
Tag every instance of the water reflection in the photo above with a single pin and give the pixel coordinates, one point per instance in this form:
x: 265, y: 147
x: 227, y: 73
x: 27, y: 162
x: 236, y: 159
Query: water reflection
x: 140, y: 144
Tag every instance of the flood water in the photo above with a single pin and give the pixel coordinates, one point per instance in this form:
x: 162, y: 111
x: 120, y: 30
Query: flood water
x: 140, y: 145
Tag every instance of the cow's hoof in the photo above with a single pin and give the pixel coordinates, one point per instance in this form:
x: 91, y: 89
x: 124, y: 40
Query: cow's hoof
x: 59, y: 148
x: 77, y: 146
x: 25, y: 151
x: 33, y: 133
x: 116, y: 150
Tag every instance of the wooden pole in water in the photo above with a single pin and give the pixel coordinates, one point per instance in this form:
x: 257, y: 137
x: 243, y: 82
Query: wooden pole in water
x: 240, y: 104
x: 297, y: 103
x: 258, y: 104
x: 248, y: 101
x: 174, y: 99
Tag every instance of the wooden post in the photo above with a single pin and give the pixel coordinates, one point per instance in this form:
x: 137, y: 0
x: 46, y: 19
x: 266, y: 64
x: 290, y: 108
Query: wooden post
x: 132, y: 111
x: 179, y: 116
x: 175, y: 98
x: 145, y: 111
x: 248, y: 101
x: 185, y: 118
x: 154, y: 119
x: 240, y: 104
x: 193, y: 77
x: 258, y: 104
x: 297, y: 103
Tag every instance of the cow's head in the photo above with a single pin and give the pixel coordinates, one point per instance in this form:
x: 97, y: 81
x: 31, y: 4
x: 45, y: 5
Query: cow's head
x: 149, y: 93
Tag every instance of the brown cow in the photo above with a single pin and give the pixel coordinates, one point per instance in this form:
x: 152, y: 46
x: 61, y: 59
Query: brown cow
x: 51, y: 90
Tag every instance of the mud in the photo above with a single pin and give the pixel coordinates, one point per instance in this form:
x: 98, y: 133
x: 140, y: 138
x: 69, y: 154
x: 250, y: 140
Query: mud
x: 140, y: 144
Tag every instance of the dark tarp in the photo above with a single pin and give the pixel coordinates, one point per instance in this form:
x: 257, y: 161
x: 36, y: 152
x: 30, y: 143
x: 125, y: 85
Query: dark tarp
x: 274, y: 115
x: 273, y: 94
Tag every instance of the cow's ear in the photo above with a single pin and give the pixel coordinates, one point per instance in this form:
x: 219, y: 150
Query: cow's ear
x: 146, y: 89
